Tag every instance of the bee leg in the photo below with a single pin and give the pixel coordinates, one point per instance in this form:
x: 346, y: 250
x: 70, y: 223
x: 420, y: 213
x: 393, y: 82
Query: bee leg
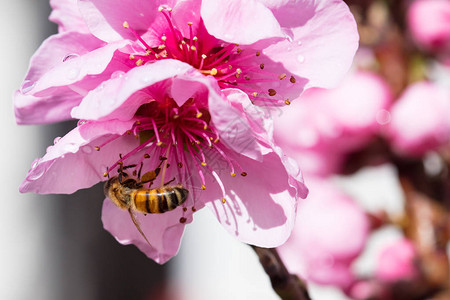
x: 138, y: 226
x: 139, y: 172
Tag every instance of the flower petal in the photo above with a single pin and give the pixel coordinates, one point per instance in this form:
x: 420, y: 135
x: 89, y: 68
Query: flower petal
x: 59, y: 76
x: 323, y: 44
x: 260, y: 207
x: 114, y: 98
x: 105, y: 18
x: 72, y: 163
x: 239, y: 21
x: 65, y: 13
x: 163, y: 231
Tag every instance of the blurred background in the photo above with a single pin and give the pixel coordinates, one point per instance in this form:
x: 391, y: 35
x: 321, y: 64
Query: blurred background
x: 375, y: 155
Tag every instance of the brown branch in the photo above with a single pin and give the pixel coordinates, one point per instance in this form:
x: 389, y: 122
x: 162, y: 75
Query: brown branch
x: 286, y: 285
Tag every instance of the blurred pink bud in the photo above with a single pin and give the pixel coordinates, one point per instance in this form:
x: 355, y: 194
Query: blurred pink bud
x: 333, y: 122
x: 396, y: 262
x: 330, y: 232
x: 429, y: 23
x: 420, y: 119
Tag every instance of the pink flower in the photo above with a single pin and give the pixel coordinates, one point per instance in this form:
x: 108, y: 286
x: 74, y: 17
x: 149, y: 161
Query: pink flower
x: 429, y: 23
x: 333, y: 122
x: 420, y: 119
x: 330, y: 232
x: 284, y: 47
x: 396, y: 262
x: 218, y: 148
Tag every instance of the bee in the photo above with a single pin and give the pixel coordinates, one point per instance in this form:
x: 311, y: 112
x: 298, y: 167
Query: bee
x: 130, y: 194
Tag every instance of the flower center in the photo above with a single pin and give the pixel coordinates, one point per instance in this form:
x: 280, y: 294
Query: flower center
x: 180, y: 136
x: 232, y: 66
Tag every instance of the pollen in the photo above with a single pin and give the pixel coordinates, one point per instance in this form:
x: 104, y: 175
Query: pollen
x: 224, y: 200
x: 272, y: 92
x: 213, y: 71
x: 203, y: 163
x: 244, y: 174
x: 126, y: 25
x: 183, y: 220
x: 233, y: 174
x: 131, y: 56
x: 287, y: 102
x: 282, y: 76
x: 97, y: 148
x: 292, y: 79
x: 139, y: 62
x: 203, y: 187
x: 105, y: 174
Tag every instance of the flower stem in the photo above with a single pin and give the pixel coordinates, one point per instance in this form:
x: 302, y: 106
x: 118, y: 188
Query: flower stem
x: 286, y: 285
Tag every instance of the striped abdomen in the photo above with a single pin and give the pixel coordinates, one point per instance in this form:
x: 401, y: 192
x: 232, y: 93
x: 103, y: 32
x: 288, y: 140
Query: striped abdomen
x: 156, y: 201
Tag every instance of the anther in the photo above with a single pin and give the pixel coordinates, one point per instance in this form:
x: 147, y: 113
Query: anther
x: 204, y: 56
x: 213, y: 71
x: 233, y: 174
x: 139, y: 62
x: 224, y: 200
x: 244, y: 174
x: 292, y: 79
x: 203, y: 187
x: 183, y: 220
x: 163, y: 38
x: 194, y: 209
x: 255, y: 94
x: 126, y: 25
x: 258, y: 53
x: 131, y: 56
x: 189, y: 23
x: 105, y: 174
x: 238, y: 70
x: 203, y: 163
x: 97, y: 148
x: 180, y: 165
x: 287, y: 102
x: 193, y: 48
x: 184, y: 209
x: 238, y: 50
x: 272, y: 92
x: 146, y: 155
x: 282, y: 76
x: 261, y: 66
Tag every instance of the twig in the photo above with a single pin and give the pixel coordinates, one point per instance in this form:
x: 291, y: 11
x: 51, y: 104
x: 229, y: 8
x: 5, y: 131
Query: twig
x: 286, y: 285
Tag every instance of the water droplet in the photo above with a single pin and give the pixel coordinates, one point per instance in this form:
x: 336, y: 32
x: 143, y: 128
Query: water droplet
x: 81, y: 122
x: 299, y: 43
x: 289, y: 38
x: 117, y: 74
x: 383, y: 117
x: 73, y: 73
x: 36, y: 172
x: 70, y: 56
x: 300, y: 58
x: 35, y: 162
x: 87, y: 149
x: 71, y: 148
x: 27, y: 86
x: 56, y: 140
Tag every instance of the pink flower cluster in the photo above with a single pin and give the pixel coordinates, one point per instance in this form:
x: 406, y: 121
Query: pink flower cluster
x: 183, y: 85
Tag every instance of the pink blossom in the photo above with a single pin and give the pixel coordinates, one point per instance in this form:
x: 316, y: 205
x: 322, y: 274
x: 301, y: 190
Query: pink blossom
x: 333, y: 122
x: 330, y: 232
x: 218, y: 147
x: 420, y: 119
x: 396, y: 262
x: 284, y: 48
x: 429, y: 23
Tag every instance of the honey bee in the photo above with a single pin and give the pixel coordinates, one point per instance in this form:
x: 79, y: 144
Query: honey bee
x: 130, y: 194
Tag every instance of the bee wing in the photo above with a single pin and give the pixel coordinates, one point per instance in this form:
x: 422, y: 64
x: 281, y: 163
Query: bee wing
x: 138, y: 226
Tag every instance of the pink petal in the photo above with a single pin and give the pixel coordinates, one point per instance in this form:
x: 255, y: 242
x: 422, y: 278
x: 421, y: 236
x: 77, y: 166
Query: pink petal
x: 163, y: 231
x: 239, y: 21
x: 59, y: 76
x: 323, y: 44
x: 72, y: 163
x: 259, y: 208
x: 118, y: 97
x: 65, y: 13
x: 420, y: 119
x: 105, y: 17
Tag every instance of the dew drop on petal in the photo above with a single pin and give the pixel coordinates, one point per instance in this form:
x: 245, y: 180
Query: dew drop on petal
x: 87, y: 149
x: 81, y: 122
x: 300, y: 58
x: 383, y: 117
x: 299, y: 43
x: 36, y: 173
x: 71, y: 148
x: 27, y: 86
x: 35, y: 162
x: 56, y: 140
x: 70, y: 56
x: 73, y: 73
x: 117, y: 74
